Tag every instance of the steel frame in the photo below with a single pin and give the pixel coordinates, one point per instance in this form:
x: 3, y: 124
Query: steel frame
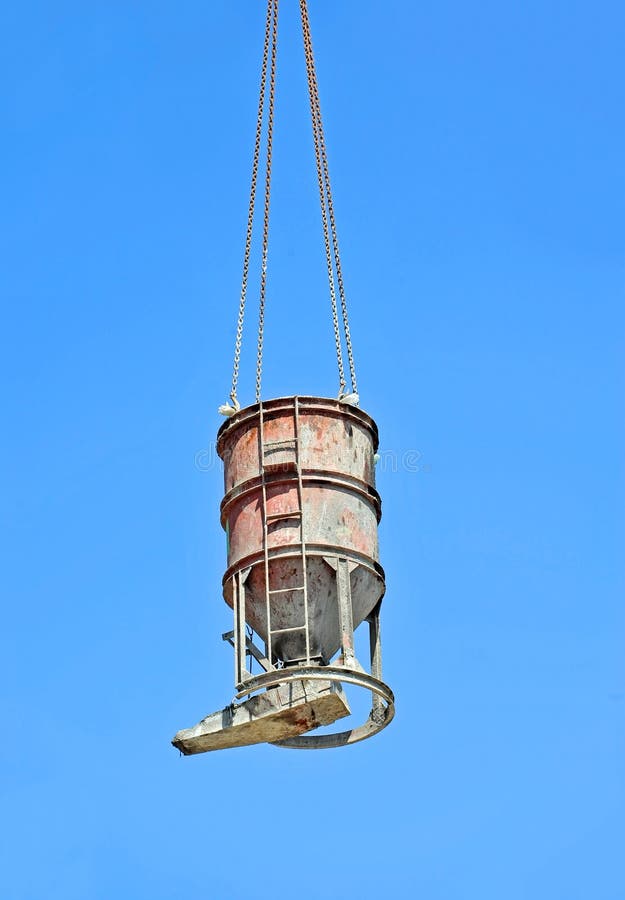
x: 347, y: 671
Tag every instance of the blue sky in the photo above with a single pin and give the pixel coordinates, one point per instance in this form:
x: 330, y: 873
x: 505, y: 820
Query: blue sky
x: 477, y: 158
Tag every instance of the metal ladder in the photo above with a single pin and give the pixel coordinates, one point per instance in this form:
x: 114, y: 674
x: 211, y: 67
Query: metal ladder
x: 268, y: 518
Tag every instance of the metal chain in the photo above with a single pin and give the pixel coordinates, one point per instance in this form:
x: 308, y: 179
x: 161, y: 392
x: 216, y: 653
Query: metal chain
x: 263, y: 270
x: 250, y: 215
x: 310, y: 65
x: 323, y: 173
x: 330, y: 234
x: 335, y: 244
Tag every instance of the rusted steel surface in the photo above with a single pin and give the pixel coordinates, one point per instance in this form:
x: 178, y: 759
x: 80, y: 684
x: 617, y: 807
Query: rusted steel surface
x: 321, y: 451
x: 333, y: 437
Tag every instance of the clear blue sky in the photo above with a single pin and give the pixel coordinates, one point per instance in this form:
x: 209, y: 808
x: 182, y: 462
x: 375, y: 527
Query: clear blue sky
x: 477, y: 152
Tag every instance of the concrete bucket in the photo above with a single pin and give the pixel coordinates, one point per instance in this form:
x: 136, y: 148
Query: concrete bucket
x: 300, y: 504
x: 301, y: 515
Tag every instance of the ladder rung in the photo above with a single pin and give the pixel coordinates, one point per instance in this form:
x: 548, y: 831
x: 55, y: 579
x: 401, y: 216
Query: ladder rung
x: 289, y: 444
x: 299, y: 587
x: 293, y: 514
x: 285, y: 630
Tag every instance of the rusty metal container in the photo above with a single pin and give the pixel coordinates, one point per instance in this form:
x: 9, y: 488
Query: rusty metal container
x: 301, y: 514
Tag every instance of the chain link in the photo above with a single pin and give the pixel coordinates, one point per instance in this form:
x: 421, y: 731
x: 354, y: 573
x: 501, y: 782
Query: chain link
x: 250, y: 215
x: 263, y: 269
x: 325, y: 190
x: 330, y: 235
x: 310, y: 67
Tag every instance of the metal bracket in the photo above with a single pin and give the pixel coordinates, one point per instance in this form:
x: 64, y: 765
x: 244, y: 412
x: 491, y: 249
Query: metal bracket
x: 250, y: 647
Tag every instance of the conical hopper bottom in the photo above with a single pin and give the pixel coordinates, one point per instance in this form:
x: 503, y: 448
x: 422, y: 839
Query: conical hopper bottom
x: 287, y: 607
